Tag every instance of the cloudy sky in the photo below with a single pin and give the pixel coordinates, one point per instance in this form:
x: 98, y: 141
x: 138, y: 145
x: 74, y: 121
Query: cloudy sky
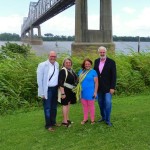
x: 130, y: 18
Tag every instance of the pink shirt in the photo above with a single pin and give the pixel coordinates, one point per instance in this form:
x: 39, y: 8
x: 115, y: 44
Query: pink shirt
x: 101, y: 65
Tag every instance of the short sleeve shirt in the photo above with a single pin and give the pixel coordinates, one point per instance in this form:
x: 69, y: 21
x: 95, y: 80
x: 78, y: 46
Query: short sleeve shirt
x: 88, y: 85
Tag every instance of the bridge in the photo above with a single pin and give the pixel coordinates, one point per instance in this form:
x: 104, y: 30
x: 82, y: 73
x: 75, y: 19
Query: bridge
x: 41, y: 11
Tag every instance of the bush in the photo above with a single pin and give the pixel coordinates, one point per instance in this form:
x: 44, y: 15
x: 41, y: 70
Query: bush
x: 141, y: 62
x: 18, y: 85
x: 10, y: 49
x: 129, y: 80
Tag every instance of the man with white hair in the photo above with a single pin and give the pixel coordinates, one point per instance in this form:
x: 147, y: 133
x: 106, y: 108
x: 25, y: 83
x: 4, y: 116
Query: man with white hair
x: 106, y: 70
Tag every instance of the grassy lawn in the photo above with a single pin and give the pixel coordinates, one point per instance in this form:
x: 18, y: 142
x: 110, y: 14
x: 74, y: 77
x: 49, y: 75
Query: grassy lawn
x: 130, y: 131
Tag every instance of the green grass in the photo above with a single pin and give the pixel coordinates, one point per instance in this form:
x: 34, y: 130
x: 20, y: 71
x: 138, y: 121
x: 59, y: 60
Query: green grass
x: 131, y: 131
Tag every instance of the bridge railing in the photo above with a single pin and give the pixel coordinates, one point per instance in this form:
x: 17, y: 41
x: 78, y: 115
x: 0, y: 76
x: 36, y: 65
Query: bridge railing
x: 36, y: 10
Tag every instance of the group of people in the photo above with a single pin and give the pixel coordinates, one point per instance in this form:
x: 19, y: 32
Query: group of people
x: 90, y: 83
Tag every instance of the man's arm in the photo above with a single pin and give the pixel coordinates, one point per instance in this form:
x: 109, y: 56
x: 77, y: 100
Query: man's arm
x: 113, y: 77
x: 40, y: 75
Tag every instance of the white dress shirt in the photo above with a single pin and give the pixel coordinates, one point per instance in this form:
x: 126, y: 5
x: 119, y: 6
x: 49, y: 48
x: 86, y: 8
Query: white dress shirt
x: 44, y: 71
x: 54, y: 80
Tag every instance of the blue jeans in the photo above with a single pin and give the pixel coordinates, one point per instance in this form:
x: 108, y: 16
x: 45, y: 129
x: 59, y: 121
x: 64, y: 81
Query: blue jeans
x: 50, y: 107
x: 105, y: 105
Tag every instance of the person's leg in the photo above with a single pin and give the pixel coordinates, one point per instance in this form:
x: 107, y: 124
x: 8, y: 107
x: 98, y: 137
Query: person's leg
x: 92, y: 110
x: 65, y: 116
x: 85, y: 109
x: 101, y: 103
x: 108, y: 106
x: 68, y: 109
x: 54, y: 105
x: 65, y: 110
x: 47, y: 110
x: 68, y: 120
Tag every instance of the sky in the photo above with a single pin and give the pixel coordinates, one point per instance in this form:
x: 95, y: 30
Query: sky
x: 129, y: 18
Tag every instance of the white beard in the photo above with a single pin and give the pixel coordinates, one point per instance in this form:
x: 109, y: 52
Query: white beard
x: 102, y: 57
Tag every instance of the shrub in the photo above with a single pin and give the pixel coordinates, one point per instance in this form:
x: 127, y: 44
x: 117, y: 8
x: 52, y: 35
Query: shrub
x: 10, y: 48
x: 18, y: 85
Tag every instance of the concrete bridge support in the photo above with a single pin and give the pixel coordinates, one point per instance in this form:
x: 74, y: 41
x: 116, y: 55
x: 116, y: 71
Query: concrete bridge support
x: 31, y: 38
x: 89, y: 40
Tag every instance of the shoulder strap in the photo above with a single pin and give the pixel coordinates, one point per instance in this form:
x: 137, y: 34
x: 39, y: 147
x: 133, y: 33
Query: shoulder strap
x: 83, y: 75
x: 52, y: 74
x: 66, y: 73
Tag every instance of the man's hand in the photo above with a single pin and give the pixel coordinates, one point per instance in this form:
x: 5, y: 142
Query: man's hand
x: 112, y: 91
x: 43, y: 97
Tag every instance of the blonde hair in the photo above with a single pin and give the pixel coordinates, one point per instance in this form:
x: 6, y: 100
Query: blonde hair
x: 63, y: 64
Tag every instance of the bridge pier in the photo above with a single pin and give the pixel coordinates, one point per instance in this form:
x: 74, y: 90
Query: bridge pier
x: 31, y: 38
x: 90, y: 40
x: 90, y: 48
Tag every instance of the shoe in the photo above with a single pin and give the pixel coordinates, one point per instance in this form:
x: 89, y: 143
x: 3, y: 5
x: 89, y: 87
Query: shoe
x: 66, y: 124
x: 109, y: 124
x: 101, y: 120
x: 92, y: 122
x: 50, y: 129
x: 84, y: 122
x: 57, y: 125
x: 70, y: 122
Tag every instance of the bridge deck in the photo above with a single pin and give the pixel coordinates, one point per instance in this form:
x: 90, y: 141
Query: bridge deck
x: 42, y: 11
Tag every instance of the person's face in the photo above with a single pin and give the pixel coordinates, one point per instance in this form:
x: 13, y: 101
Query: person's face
x: 52, y: 57
x: 67, y: 64
x: 87, y: 65
x: 102, y: 54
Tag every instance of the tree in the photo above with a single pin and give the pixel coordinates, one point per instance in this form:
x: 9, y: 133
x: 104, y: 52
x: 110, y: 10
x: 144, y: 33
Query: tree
x: 49, y: 35
x: 9, y: 37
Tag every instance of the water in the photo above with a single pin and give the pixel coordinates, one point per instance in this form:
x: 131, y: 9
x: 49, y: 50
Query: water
x: 126, y: 47
x: 59, y: 47
x: 65, y: 47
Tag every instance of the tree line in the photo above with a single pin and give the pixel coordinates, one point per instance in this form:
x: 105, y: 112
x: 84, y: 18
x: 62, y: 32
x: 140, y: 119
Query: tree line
x: 51, y: 37
x: 9, y: 37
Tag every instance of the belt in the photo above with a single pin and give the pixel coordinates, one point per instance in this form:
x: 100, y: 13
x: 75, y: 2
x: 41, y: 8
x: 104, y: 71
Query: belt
x: 53, y: 86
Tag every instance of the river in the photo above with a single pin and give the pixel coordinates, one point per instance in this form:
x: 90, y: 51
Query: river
x: 65, y: 47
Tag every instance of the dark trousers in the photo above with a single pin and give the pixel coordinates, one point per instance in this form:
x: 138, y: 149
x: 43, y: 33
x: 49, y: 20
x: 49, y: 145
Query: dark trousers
x: 50, y: 107
x: 105, y: 105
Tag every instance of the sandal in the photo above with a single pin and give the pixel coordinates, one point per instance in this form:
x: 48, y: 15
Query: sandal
x: 65, y: 124
x: 92, y: 122
x: 70, y: 122
x: 84, y: 122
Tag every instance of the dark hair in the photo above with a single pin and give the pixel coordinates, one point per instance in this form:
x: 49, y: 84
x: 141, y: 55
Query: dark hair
x: 65, y: 61
x: 83, y: 64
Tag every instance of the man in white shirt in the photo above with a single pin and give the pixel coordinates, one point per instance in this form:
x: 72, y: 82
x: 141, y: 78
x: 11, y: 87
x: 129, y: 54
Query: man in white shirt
x: 47, y: 79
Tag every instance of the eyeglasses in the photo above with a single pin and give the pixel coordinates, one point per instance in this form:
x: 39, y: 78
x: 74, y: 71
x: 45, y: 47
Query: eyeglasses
x: 53, y: 56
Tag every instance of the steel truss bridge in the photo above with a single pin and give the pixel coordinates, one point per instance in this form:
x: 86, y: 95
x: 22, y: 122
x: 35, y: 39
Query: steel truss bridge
x: 43, y: 10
